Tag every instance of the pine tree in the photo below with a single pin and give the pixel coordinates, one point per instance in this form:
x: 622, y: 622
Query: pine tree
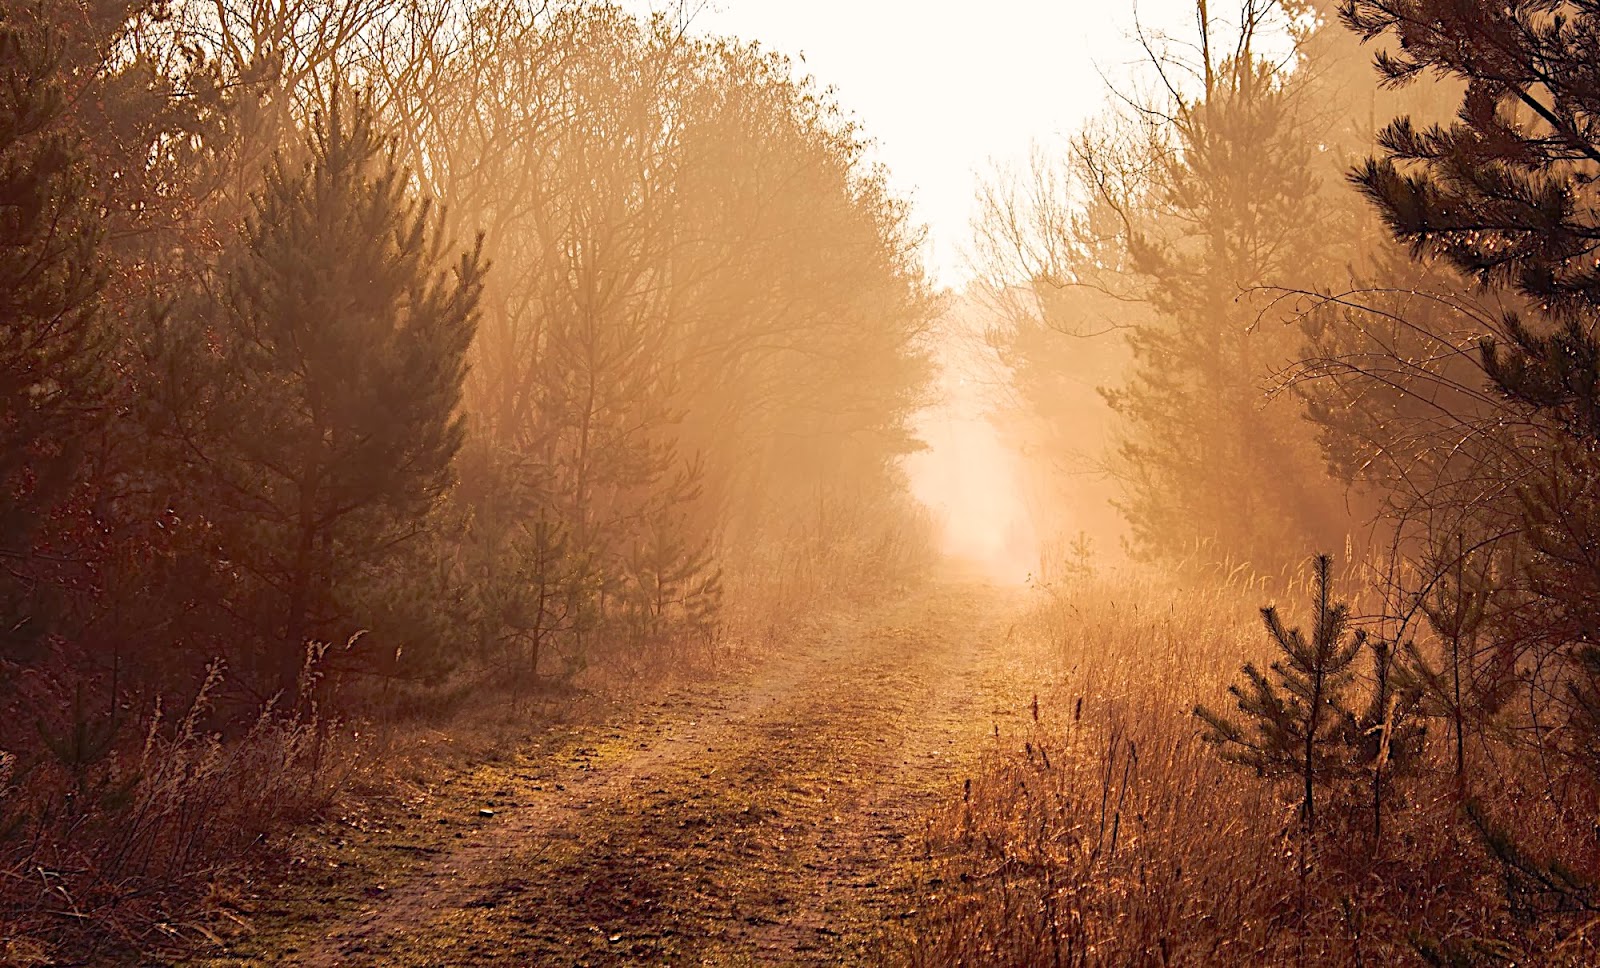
x: 1505, y: 193
x: 1232, y: 206
x: 1386, y: 739
x: 1469, y: 682
x: 331, y: 418
x: 1501, y: 191
x: 546, y: 597
x: 52, y: 343
x: 675, y: 582
x: 1295, y: 720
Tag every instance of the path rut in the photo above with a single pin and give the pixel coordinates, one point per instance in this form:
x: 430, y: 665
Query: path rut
x: 775, y: 818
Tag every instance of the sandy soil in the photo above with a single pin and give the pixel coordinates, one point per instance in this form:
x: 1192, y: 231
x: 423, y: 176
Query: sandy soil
x: 775, y: 817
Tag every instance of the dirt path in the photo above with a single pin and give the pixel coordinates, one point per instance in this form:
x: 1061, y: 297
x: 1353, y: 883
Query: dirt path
x: 773, y: 819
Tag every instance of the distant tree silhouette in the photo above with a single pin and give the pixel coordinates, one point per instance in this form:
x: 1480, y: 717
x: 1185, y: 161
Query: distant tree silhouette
x: 1200, y: 204
x: 704, y: 317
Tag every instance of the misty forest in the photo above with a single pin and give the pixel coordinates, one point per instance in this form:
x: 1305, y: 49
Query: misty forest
x: 503, y: 482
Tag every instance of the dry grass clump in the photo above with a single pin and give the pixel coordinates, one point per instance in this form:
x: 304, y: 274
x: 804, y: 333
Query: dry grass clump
x: 110, y: 839
x: 1109, y: 833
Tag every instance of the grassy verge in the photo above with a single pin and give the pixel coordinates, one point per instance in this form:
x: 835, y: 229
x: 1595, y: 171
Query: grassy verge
x: 1110, y: 834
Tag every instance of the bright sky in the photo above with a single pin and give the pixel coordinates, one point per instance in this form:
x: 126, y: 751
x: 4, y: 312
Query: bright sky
x: 948, y: 89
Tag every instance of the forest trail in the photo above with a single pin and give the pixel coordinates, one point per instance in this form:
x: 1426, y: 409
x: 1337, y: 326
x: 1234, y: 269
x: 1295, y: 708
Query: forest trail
x: 775, y: 817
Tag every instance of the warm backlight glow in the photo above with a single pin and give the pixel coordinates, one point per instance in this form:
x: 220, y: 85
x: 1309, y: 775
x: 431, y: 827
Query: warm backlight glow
x: 968, y: 477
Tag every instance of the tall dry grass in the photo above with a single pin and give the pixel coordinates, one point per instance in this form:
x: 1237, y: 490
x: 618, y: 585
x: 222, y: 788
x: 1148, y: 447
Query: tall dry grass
x: 1108, y: 833
x: 108, y: 855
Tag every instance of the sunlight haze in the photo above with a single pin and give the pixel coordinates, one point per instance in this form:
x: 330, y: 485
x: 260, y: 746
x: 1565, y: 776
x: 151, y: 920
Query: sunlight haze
x: 944, y: 92
x: 799, y: 482
x: 947, y: 98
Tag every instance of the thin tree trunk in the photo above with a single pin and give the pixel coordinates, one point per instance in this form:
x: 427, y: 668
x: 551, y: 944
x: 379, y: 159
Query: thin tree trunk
x: 297, y: 625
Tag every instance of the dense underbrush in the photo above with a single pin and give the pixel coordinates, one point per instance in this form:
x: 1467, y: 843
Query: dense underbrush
x: 110, y: 843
